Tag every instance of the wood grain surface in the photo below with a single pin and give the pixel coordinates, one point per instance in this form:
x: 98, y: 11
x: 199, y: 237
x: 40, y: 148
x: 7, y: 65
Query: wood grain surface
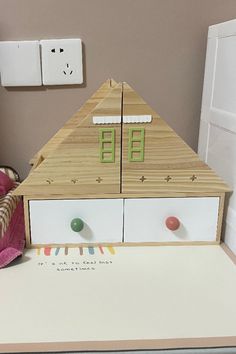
x: 74, y: 165
x: 74, y: 121
x: 169, y: 165
x: 69, y: 164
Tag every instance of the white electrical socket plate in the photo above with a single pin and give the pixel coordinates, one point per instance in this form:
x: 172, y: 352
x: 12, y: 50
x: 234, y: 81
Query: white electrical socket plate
x: 20, y: 63
x: 62, y: 61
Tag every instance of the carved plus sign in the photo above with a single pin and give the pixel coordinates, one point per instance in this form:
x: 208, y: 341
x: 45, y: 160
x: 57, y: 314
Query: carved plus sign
x: 193, y: 178
x: 49, y: 180
x: 99, y: 179
x: 74, y: 180
x: 168, y: 178
x: 142, y: 179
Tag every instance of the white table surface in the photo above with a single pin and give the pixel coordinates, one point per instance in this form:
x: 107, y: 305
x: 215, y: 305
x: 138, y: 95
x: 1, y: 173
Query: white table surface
x: 143, y: 297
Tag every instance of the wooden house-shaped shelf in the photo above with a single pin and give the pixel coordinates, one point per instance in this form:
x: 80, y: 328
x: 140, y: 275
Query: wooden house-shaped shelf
x: 116, y: 173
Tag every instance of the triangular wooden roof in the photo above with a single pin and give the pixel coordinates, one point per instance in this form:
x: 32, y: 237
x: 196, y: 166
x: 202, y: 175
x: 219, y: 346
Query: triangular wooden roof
x: 170, y: 165
x: 69, y: 163
x: 74, y: 121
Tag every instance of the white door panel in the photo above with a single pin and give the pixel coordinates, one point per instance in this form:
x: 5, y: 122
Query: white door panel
x: 224, y: 93
x: 217, y: 136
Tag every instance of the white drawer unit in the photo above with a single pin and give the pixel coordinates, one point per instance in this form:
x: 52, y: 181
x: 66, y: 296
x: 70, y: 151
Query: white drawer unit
x: 50, y: 221
x: 140, y: 220
x: 170, y: 219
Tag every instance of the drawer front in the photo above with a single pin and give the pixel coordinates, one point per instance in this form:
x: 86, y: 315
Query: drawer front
x: 145, y: 219
x: 50, y: 221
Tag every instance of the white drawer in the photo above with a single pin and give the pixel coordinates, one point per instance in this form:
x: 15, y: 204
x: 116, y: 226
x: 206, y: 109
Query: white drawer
x: 145, y: 219
x: 50, y: 221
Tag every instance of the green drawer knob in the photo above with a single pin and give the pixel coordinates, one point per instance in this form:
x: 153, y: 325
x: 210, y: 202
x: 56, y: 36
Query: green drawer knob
x: 77, y: 225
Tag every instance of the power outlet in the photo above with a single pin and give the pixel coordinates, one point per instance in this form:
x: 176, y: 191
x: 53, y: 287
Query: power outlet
x: 62, y: 61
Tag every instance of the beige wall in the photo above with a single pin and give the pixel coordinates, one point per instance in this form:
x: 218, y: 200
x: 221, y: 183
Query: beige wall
x: 158, y: 46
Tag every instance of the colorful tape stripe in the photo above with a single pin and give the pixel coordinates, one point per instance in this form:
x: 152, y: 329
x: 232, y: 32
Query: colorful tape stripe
x: 111, y: 250
x: 57, y: 251
x: 47, y: 251
x: 101, y: 249
x: 91, y: 250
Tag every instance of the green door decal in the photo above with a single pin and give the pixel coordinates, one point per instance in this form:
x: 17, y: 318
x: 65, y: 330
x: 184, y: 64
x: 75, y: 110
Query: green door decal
x: 107, y: 144
x: 136, y: 145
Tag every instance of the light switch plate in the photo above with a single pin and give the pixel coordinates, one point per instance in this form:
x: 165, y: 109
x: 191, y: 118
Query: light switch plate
x: 20, y: 63
x: 62, y: 61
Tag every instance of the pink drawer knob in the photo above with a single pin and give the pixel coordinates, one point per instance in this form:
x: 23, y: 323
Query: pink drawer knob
x: 172, y: 223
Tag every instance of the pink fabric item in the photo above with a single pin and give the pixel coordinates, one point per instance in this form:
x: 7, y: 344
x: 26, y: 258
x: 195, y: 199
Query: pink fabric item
x: 13, y: 242
x: 5, y: 183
